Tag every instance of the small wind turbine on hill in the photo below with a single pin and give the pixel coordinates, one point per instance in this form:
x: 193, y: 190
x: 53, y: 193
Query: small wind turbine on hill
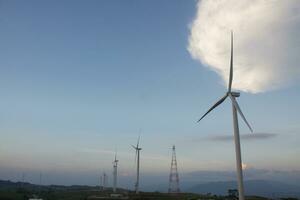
x: 235, y: 108
x: 137, y: 160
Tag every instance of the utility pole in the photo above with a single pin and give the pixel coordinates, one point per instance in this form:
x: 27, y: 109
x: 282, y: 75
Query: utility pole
x: 40, y: 184
x: 23, y: 180
x: 104, y: 181
x: 101, y: 183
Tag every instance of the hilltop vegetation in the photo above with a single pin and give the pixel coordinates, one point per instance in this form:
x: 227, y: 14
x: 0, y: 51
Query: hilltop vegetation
x: 23, y: 191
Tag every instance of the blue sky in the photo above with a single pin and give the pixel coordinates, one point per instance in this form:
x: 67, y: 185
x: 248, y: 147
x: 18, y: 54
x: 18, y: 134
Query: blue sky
x: 79, y: 79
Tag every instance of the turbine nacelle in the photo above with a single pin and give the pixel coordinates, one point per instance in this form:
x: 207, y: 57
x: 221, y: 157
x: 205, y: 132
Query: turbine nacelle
x: 136, y: 148
x: 234, y: 94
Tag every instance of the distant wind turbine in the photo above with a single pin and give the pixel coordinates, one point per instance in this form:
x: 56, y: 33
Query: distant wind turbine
x: 137, y: 160
x: 235, y: 108
x: 115, y: 165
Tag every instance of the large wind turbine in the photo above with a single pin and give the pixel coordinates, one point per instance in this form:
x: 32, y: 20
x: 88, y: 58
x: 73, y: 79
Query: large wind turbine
x: 137, y: 159
x: 115, y: 165
x: 235, y: 108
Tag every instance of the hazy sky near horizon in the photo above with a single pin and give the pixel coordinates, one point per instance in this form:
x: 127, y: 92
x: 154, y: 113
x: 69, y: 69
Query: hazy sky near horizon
x: 78, y: 79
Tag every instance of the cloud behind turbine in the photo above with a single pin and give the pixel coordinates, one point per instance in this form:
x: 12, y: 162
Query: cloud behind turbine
x: 266, y: 42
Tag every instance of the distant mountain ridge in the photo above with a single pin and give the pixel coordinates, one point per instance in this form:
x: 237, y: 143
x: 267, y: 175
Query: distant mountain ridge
x: 290, y: 177
x: 6, y: 184
x: 252, y: 187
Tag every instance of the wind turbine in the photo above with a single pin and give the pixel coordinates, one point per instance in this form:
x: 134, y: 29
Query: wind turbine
x: 137, y: 160
x: 235, y: 108
x: 115, y: 165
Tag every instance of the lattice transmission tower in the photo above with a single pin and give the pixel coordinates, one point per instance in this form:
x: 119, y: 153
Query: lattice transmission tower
x: 174, y: 178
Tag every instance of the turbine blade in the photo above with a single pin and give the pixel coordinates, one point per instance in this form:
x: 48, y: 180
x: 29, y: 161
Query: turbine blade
x: 133, y: 147
x: 231, y: 65
x: 214, y: 106
x: 138, y: 142
x: 236, y: 105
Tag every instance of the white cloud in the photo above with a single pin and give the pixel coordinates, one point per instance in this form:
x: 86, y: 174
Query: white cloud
x: 266, y: 41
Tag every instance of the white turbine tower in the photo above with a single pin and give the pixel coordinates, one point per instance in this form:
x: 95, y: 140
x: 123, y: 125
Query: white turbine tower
x: 137, y: 160
x: 235, y: 108
x: 115, y: 173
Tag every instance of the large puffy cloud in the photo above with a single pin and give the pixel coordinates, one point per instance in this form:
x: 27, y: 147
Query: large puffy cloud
x: 266, y: 41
